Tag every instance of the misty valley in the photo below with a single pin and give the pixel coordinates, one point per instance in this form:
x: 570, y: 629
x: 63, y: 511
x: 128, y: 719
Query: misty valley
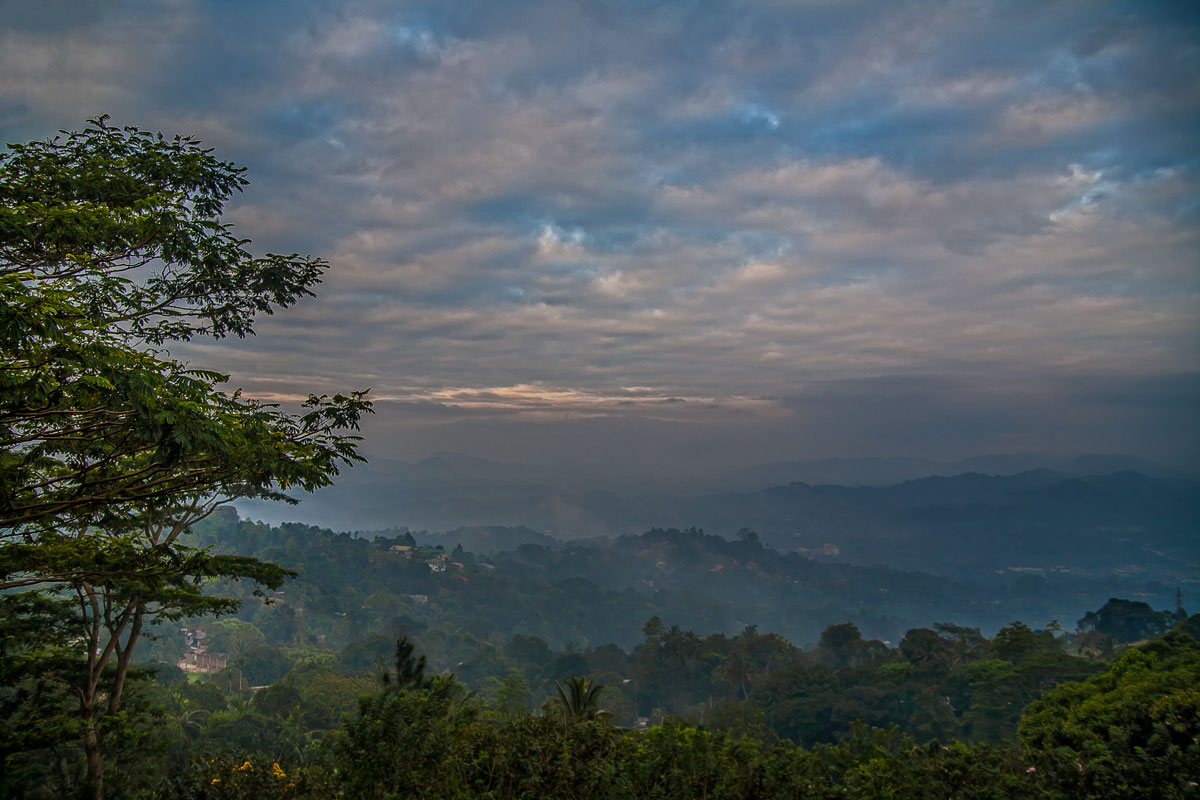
x: 1090, y: 516
x: 732, y: 649
x: 618, y: 401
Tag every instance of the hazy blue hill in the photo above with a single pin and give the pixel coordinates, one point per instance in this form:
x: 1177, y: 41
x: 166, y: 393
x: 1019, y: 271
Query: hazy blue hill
x: 985, y: 523
x: 972, y: 521
x: 447, y: 490
x: 1104, y: 463
x: 843, y: 471
x: 890, y: 471
x: 969, y: 487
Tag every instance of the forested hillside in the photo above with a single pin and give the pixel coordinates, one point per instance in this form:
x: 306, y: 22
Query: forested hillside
x: 603, y: 590
x: 391, y: 668
x: 1089, y: 524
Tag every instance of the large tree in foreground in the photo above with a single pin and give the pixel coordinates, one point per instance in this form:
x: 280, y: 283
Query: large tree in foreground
x: 111, y: 248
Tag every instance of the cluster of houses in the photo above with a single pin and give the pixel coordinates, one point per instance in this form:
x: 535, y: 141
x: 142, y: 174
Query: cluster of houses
x: 196, y: 657
x: 433, y: 557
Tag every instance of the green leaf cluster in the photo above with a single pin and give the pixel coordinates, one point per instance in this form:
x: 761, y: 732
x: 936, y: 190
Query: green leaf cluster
x: 112, y: 247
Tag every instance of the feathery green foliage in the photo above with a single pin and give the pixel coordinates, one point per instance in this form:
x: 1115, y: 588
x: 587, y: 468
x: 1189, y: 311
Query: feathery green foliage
x: 111, y: 247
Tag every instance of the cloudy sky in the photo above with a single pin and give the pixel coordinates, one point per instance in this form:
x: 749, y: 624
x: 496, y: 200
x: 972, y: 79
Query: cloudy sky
x: 734, y: 231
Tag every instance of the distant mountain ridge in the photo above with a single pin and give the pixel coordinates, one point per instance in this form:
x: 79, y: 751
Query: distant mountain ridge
x: 885, y: 471
x: 1037, y: 519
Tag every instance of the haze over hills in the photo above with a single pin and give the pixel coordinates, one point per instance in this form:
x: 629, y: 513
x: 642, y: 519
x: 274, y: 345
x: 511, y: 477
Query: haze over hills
x: 1071, y: 515
x: 378, y: 493
x: 516, y: 581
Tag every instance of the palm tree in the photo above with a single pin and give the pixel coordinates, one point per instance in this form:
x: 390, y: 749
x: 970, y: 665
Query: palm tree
x: 578, y: 700
x: 969, y: 645
x: 192, y: 721
x: 735, y: 670
x: 925, y: 649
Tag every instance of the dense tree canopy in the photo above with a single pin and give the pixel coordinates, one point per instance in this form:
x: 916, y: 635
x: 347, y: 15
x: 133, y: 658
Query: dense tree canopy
x: 111, y: 245
x: 111, y: 248
x: 1132, y: 731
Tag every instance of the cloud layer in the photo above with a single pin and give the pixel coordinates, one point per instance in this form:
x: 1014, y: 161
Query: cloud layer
x: 719, y: 218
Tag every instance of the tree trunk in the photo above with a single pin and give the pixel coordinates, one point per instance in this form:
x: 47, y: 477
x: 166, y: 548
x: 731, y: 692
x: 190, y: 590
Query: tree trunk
x: 125, y: 655
x: 94, y: 788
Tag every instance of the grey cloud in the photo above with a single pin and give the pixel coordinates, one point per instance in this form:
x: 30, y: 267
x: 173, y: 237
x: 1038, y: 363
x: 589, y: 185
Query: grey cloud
x: 925, y: 416
x: 722, y: 204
